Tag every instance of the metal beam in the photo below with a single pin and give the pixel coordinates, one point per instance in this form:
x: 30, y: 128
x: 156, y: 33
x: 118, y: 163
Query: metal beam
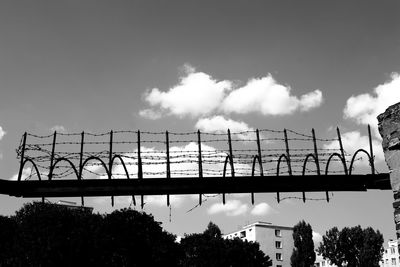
x: 205, y: 185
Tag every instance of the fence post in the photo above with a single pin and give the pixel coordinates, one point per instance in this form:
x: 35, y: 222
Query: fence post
x: 389, y: 129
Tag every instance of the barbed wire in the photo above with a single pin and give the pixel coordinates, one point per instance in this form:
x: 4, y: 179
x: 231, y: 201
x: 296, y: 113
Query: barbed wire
x: 183, y: 154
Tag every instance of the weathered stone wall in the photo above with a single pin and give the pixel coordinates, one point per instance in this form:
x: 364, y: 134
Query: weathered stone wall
x: 389, y: 128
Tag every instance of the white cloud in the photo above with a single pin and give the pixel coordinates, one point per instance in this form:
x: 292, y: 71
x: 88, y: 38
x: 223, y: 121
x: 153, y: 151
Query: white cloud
x: 196, y: 94
x: 317, y: 238
x: 218, y: 124
x: 231, y: 208
x: 161, y: 201
x: 310, y: 100
x: 25, y: 174
x: 58, y: 128
x: 2, y: 133
x: 156, y: 201
x: 352, y: 141
x: 365, y: 108
x: 150, y: 114
x: 264, y: 95
x: 262, y: 209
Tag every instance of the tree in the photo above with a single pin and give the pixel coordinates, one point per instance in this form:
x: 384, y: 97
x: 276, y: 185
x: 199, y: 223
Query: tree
x: 352, y: 247
x: 54, y: 235
x: 43, y: 234
x: 131, y: 238
x: 210, y: 249
x: 8, y: 231
x: 303, y: 253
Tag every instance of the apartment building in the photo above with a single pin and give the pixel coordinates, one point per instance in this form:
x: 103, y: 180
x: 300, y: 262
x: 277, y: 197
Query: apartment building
x: 321, y: 262
x: 275, y: 241
x: 390, y: 257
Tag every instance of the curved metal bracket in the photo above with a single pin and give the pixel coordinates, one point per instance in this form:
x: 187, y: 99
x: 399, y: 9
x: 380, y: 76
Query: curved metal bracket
x: 370, y: 159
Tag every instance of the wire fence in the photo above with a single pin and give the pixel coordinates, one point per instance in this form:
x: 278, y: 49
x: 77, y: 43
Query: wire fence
x: 136, y: 154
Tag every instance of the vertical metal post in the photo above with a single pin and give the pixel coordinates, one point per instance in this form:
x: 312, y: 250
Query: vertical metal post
x: 259, y: 153
x: 371, y: 151
x: 110, y: 155
x: 260, y: 161
x: 81, y: 156
x: 288, y: 152
x: 316, y: 162
x: 342, y: 151
x: 231, y: 154
x: 168, y: 163
x: 200, y: 162
x: 110, y: 163
x: 52, y: 156
x: 81, y: 163
x: 289, y: 163
x: 230, y: 162
x: 140, y: 169
x: 21, y: 166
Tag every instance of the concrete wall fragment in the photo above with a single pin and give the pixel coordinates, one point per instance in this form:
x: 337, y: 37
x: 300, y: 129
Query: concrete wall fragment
x: 389, y: 129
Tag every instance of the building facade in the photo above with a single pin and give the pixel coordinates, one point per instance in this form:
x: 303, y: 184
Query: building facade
x: 390, y: 257
x: 275, y: 241
x: 321, y: 262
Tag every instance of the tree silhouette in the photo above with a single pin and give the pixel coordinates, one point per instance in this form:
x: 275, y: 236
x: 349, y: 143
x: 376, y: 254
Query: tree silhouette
x: 43, y: 234
x: 352, y: 247
x: 210, y: 249
x: 303, y: 253
x: 131, y: 238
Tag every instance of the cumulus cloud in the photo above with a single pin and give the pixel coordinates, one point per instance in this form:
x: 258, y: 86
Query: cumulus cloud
x: 262, y: 209
x: 25, y: 174
x: 365, y: 108
x: 58, y: 128
x: 150, y: 114
x: 161, y: 201
x: 231, y: 208
x: 266, y: 96
x: 198, y: 94
x: 352, y: 141
x: 154, y: 201
x: 2, y: 133
x: 218, y: 124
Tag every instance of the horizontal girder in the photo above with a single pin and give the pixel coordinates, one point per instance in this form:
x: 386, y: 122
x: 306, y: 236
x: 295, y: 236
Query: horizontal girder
x: 206, y: 185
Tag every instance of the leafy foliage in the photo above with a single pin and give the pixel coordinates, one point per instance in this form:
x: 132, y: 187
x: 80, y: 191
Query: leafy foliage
x: 210, y: 249
x: 42, y: 234
x: 128, y: 237
x: 303, y: 253
x: 352, y: 246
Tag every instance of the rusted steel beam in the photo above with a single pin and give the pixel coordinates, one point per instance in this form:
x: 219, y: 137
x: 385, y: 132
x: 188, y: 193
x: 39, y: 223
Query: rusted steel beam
x: 206, y: 185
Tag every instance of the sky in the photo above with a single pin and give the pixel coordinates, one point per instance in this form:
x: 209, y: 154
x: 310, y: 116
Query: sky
x: 94, y: 66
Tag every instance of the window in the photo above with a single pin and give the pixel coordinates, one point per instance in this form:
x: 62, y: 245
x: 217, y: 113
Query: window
x: 393, y: 250
x: 278, y: 233
x: 393, y: 261
x: 323, y: 263
x: 278, y: 244
x: 242, y: 234
x: 279, y: 256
